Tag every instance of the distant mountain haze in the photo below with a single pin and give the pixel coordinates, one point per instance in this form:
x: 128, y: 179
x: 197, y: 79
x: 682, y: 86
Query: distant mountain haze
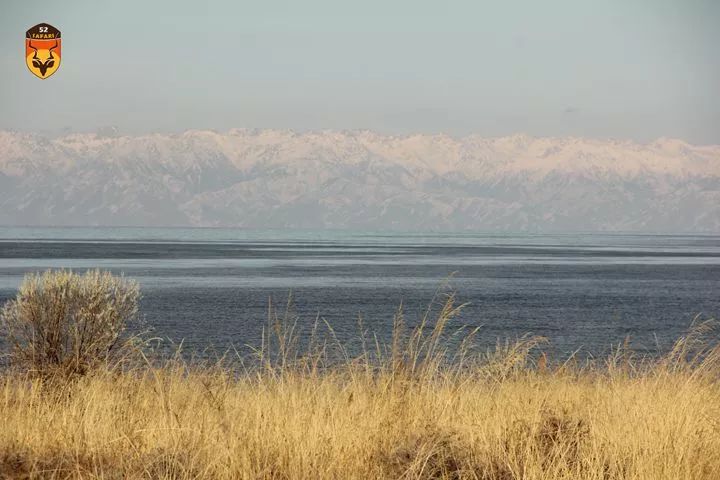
x: 359, y: 180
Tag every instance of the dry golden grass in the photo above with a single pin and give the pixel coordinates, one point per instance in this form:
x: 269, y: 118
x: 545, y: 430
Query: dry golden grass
x: 408, y: 412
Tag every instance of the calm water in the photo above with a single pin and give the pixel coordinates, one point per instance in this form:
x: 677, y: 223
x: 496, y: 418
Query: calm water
x: 212, y: 286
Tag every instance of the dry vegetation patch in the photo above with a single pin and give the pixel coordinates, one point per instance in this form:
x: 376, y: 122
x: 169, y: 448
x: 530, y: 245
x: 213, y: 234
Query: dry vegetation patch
x: 408, y: 411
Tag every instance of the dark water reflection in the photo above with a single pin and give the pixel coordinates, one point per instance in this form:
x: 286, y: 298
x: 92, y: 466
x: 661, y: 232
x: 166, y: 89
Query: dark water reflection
x: 212, y: 286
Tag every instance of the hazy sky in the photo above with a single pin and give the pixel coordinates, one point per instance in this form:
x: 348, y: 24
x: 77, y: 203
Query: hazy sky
x: 635, y: 69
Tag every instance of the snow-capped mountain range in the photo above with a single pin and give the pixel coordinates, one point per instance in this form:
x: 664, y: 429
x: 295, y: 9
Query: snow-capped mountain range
x: 359, y: 180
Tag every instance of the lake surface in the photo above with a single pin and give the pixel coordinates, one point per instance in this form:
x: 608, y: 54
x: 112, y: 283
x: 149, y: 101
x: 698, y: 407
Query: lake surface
x: 211, y: 287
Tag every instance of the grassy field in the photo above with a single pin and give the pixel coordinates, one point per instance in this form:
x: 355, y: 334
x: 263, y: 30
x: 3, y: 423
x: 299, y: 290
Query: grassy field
x: 169, y: 423
x: 412, y: 415
x: 420, y: 407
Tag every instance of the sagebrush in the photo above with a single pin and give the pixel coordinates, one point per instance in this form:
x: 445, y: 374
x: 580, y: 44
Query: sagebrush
x: 61, y: 322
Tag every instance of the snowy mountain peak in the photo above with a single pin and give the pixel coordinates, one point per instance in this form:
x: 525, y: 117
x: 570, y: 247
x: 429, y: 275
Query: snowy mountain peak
x: 358, y: 179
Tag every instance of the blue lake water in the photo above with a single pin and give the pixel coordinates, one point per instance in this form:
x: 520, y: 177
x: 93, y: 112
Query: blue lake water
x: 211, y: 287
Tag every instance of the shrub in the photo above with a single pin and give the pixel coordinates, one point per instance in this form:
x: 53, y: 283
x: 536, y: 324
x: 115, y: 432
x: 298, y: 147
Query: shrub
x: 61, y: 322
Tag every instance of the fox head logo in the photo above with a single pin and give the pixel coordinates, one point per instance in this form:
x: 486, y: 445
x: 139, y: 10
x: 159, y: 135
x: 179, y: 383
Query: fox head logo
x: 43, y: 50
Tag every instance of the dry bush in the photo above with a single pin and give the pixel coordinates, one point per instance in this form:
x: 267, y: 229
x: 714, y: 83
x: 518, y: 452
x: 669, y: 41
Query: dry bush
x: 63, y: 323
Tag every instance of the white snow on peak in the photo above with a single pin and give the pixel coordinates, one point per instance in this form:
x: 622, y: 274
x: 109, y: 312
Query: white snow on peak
x: 358, y: 179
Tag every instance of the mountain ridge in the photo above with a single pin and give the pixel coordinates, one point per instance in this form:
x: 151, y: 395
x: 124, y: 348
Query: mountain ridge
x: 261, y: 178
